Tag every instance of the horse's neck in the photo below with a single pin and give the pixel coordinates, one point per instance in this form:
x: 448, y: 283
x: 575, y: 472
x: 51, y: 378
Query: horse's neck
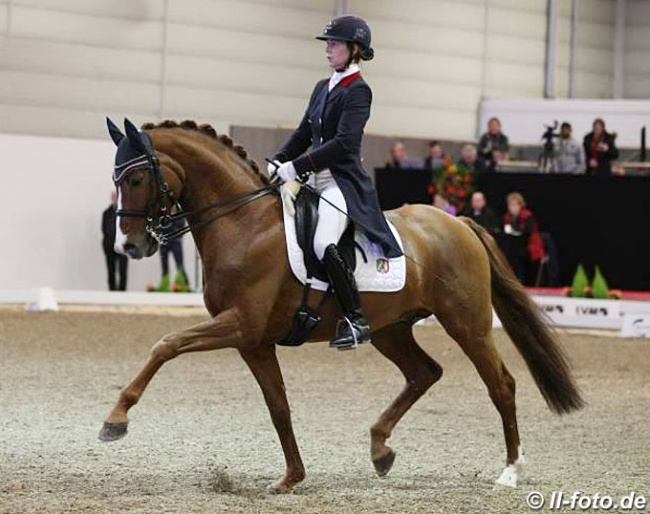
x: 211, y: 178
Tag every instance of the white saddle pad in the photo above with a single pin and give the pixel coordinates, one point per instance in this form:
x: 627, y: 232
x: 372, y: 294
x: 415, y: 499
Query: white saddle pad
x: 377, y: 275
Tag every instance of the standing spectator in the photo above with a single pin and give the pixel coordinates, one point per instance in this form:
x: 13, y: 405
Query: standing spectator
x: 569, y: 155
x: 523, y: 244
x: 494, y: 146
x: 470, y: 159
x: 440, y: 202
x: 115, y: 262
x: 483, y: 214
x: 600, y: 149
x: 175, y: 247
x: 436, y: 156
x: 397, y: 155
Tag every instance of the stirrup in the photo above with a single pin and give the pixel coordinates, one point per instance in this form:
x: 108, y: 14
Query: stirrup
x: 349, y: 335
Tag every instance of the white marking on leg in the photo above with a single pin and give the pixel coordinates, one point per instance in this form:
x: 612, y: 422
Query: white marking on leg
x: 120, y: 238
x: 510, y: 474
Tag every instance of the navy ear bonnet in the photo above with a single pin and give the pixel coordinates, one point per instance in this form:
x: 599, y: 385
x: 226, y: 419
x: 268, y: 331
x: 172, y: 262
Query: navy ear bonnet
x: 134, y: 150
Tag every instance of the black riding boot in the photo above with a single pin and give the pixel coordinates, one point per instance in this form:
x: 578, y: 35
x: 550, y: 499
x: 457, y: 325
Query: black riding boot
x: 353, y: 328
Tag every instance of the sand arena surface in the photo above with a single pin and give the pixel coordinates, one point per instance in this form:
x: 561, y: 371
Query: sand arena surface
x: 201, y: 440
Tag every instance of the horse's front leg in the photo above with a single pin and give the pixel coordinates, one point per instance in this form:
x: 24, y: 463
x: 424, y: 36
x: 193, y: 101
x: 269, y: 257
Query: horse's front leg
x: 264, y: 364
x: 223, y: 331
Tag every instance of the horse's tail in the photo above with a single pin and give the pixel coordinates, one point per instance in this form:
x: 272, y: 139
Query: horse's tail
x: 524, y: 322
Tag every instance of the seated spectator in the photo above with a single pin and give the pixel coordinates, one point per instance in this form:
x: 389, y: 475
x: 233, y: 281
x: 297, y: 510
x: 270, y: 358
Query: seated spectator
x: 483, y: 214
x: 522, y: 243
x: 399, y: 159
x: 600, y: 149
x: 397, y: 154
x: 493, y: 145
x: 436, y: 156
x: 470, y: 159
x: 569, y: 155
x: 440, y: 202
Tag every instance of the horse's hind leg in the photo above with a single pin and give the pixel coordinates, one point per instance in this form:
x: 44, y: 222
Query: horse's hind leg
x: 475, y: 338
x: 396, y: 343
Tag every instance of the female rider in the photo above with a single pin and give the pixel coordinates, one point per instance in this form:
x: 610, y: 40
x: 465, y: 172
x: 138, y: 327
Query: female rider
x: 324, y: 151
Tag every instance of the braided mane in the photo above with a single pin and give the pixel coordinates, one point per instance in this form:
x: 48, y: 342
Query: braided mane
x: 209, y: 131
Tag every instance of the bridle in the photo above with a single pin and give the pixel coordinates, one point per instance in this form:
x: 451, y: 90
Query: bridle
x: 157, y: 225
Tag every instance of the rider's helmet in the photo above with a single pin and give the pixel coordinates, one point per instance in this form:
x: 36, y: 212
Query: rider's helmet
x: 350, y: 29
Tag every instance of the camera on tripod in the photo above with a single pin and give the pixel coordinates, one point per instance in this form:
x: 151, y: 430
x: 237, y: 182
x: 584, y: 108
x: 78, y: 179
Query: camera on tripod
x: 547, y: 157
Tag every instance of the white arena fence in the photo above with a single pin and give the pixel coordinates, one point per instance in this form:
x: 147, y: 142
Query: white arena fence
x: 630, y: 318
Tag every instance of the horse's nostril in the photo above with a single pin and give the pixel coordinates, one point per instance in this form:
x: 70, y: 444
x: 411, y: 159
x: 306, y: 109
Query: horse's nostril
x: 130, y: 249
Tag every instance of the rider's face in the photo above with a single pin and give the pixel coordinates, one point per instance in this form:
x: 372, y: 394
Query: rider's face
x: 337, y: 54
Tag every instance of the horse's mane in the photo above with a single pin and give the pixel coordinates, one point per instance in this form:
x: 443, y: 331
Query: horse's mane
x: 209, y: 131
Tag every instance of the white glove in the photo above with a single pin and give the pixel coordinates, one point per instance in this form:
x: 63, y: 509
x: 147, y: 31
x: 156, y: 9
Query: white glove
x: 272, y: 168
x: 287, y: 172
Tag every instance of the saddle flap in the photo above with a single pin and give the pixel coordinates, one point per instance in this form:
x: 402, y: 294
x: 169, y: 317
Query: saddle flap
x: 306, y: 220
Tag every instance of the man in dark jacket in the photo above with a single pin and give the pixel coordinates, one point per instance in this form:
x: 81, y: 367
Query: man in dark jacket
x: 600, y: 149
x: 115, y: 262
x: 483, y: 214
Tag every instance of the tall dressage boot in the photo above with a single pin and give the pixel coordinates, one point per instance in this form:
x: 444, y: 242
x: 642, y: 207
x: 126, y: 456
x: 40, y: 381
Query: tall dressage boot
x: 353, y: 329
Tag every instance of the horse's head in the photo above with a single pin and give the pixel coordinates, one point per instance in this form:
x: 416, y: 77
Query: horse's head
x: 144, y: 196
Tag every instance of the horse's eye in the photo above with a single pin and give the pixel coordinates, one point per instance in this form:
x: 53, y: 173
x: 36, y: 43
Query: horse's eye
x: 135, y: 181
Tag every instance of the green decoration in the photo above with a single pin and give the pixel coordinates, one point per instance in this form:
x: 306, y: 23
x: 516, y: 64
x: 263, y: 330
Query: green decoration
x: 580, y: 283
x: 599, y: 287
x: 163, y: 287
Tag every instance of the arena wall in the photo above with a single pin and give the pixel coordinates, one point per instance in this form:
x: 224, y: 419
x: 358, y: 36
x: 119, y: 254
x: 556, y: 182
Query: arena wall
x: 636, y: 63
x: 65, y: 64
x: 53, y: 194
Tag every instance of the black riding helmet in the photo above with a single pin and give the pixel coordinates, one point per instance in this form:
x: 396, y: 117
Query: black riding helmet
x: 350, y: 29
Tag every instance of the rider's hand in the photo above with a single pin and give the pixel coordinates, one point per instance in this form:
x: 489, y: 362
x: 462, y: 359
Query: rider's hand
x: 272, y: 168
x: 287, y: 172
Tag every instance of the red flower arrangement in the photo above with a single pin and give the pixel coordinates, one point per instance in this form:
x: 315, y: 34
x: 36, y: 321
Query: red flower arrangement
x: 454, y: 182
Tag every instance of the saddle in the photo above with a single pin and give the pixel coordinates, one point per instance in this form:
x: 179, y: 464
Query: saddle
x: 306, y: 220
x: 306, y: 216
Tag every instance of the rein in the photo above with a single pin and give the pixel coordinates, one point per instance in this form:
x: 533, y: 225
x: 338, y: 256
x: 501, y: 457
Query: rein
x: 157, y: 227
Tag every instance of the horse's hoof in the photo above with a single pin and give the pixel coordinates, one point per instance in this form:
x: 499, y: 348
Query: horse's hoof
x: 278, y: 488
x: 384, y: 464
x: 112, y: 431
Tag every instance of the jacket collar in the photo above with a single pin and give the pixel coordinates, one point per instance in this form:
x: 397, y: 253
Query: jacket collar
x: 339, y: 76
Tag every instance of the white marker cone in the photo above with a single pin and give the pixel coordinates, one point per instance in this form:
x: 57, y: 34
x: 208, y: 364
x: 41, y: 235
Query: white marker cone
x: 45, y: 301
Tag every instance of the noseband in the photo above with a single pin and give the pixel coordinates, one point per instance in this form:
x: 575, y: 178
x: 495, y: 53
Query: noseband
x: 156, y: 226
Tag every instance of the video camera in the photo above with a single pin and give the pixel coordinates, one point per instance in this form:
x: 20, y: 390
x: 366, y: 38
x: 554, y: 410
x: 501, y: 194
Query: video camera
x: 548, y: 136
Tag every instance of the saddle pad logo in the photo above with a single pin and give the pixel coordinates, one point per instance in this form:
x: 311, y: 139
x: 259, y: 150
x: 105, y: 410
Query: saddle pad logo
x: 383, y: 266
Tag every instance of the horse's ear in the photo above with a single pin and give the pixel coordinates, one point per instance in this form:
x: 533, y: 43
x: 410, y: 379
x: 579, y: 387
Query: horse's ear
x: 115, y: 133
x: 133, y: 134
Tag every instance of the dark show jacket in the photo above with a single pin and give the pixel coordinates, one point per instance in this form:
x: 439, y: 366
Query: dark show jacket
x: 333, y: 126
x: 604, y: 158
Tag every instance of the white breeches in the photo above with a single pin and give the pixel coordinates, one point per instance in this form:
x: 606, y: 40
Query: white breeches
x: 331, y: 222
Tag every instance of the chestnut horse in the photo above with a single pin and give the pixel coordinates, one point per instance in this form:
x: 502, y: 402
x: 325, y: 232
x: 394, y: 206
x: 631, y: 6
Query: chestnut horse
x: 454, y: 271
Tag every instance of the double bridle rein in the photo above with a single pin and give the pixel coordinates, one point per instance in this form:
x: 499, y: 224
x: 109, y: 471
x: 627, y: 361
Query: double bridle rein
x: 157, y: 226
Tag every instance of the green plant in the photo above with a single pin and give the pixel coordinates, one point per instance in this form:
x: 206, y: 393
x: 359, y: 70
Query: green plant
x: 599, y: 287
x: 580, y: 283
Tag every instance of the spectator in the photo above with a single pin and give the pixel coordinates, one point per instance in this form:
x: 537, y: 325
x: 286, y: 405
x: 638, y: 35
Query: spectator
x: 569, y: 155
x: 494, y: 146
x: 397, y: 155
x: 470, y: 159
x: 436, y: 156
x: 116, y: 264
x: 600, y: 149
x: 483, y: 214
x: 522, y: 242
x: 175, y: 247
x: 440, y: 202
